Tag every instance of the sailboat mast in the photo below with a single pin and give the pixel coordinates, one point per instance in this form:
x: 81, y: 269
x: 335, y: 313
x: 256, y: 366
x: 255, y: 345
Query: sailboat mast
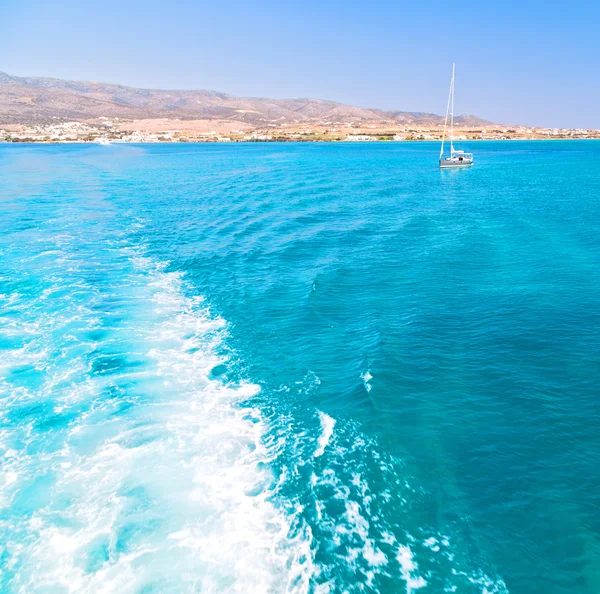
x: 452, y: 114
x: 447, y: 111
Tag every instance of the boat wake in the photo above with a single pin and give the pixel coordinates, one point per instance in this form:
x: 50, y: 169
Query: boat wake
x: 128, y: 465
x: 131, y: 463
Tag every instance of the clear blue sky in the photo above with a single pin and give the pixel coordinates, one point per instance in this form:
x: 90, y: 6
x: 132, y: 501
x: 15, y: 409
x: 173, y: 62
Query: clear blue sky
x: 531, y: 62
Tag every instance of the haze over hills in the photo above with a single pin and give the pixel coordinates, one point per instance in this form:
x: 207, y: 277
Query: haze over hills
x: 40, y: 100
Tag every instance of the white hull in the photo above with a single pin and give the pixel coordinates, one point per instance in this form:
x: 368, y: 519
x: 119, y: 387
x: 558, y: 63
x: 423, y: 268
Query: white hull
x: 453, y: 164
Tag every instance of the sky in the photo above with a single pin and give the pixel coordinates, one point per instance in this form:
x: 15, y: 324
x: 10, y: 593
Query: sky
x: 534, y: 62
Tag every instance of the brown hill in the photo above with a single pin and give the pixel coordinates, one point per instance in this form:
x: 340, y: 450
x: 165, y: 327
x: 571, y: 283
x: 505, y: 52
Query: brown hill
x: 33, y: 100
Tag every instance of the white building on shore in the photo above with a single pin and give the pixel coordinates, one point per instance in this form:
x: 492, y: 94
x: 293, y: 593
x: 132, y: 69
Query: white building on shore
x: 360, y: 138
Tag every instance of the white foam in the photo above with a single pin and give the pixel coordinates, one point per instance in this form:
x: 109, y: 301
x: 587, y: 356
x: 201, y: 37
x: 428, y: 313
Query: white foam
x: 366, y: 377
x: 432, y: 543
x: 327, y: 424
x: 409, y: 569
x: 373, y: 555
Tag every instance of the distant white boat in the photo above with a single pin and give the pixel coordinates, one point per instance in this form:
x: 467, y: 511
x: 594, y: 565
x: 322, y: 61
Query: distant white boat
x: 456, y: 158
x: 102, y: 141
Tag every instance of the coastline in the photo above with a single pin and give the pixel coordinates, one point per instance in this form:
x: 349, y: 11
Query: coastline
x: 105, y: 131
x: 291, y: 141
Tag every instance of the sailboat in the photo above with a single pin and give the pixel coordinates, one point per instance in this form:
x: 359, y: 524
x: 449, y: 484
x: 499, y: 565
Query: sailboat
x: 456, y: 158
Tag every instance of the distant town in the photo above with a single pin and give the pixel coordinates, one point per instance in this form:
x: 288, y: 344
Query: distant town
x: 108, y: 130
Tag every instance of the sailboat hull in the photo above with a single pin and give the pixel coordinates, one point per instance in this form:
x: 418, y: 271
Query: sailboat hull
x: 455, y: 163
x: 444, y: 165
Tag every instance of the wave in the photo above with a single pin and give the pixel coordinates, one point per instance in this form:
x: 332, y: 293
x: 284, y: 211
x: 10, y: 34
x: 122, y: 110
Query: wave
x: 366, y: 378
x: 327, y: 424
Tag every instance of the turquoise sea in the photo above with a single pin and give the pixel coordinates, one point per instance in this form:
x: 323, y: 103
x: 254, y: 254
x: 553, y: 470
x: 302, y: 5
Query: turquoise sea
x: 300, y: 368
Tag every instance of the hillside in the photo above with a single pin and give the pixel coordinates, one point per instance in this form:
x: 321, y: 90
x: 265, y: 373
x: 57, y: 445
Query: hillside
x: 36, y: 100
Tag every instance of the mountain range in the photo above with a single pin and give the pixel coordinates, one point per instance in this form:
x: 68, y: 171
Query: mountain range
x: 41, y: 100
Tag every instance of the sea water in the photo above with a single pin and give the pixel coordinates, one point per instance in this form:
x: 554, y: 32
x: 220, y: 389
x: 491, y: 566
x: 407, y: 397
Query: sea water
x: 299, y: 368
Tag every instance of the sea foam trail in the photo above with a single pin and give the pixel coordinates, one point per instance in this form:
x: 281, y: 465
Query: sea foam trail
x: 129, y: 467
x: 155, y: 475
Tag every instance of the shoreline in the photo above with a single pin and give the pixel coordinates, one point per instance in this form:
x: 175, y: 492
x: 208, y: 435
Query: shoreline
x: 208, y: 131
x: 291, y: 141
